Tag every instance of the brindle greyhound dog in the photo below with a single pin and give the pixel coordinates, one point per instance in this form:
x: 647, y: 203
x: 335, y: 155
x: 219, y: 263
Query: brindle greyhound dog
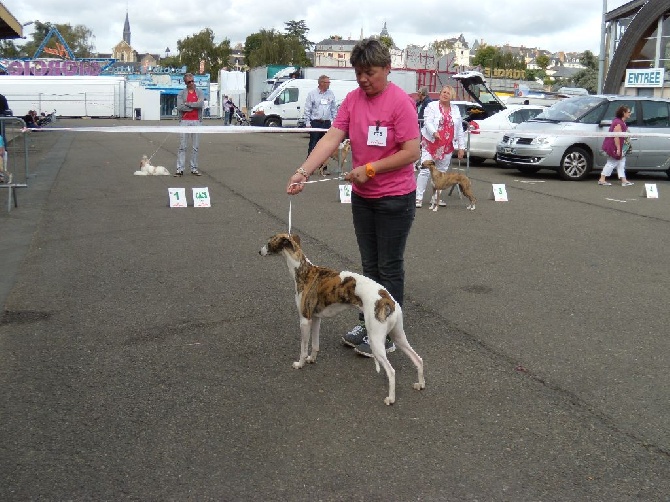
x: 323, y: 292
x: 443, y: 180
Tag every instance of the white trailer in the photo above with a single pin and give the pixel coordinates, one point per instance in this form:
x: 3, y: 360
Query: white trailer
x: 72, y: 96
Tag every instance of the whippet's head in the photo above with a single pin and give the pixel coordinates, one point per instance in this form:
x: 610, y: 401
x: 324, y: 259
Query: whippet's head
x: 283, y: 243
x: 428, y: 164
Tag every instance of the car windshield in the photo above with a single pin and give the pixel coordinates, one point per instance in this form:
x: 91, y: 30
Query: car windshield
x: 571, y: 109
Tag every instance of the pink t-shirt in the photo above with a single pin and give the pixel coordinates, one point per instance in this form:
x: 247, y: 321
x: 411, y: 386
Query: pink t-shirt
x: 393, y: 109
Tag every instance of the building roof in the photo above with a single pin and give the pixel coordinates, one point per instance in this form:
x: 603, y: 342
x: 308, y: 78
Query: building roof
x: 9, y: 26
x: 564, y: 72
x: 335, y: 44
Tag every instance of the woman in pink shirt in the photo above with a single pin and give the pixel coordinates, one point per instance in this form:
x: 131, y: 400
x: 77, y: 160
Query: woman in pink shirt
x: 381, y: 122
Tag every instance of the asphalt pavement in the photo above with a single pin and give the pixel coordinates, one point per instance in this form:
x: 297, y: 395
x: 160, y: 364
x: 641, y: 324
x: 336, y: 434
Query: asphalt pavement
x: 147, y: 351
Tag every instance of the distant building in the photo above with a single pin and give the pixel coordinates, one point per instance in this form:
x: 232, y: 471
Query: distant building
x: 333, y: 52
x: 236, y: 61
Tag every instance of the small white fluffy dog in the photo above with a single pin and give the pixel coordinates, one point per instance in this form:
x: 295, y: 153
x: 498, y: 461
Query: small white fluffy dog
x: 146, y: 169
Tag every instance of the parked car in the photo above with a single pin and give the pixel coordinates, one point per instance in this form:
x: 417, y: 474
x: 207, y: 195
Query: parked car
x: 572, y: 152
x: 465, y: 107
x: 475, y: 85
x: 485, y: 134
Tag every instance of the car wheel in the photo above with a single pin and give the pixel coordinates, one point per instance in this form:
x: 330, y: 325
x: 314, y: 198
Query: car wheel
x: 528, y: 170
x: 576, y: 164
x: 273, y: 122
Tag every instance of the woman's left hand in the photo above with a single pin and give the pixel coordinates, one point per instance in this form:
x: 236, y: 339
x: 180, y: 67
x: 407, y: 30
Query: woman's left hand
x: 461, y: 153
x: 357, y: 175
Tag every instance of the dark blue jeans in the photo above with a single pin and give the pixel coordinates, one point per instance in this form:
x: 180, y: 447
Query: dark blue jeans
x: 314, y: 136
x: 382, y: 226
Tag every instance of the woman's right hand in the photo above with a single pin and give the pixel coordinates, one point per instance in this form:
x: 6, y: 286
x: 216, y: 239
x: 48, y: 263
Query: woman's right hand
x: 295, y: 184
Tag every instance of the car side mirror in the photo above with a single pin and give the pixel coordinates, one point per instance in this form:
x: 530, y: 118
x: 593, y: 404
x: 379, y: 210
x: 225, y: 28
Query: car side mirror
x: 605, y: 123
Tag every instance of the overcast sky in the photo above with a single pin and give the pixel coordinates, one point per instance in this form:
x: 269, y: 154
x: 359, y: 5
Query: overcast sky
x: 567, y: 25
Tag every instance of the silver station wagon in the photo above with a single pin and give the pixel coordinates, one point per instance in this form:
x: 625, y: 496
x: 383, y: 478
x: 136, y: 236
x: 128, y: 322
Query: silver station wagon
x: 558, y: 138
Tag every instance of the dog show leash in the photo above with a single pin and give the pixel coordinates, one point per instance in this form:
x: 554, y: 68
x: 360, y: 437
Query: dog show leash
x: 290, y: 202
x: 159, y: 147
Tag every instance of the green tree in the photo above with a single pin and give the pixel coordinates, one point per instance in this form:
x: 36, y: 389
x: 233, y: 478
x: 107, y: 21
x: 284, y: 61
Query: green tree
x: 532, y: 75
x: 78, y: 38
x: 485, y: 56
x: 272, y: 47
x: 588, y: 79
x: 201, y: 47
x: 9, y: 50
x: 252, y: 43
x: 441, y: 47
x: 298, y: 30
x: 171, y: 62
x: 387, y: 41
x: 543, y: 62
x: 589, y: 60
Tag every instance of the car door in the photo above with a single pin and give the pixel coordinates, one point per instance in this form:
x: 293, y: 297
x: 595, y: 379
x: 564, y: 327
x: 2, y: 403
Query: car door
x: 654, y: 152
x: 287, y: 102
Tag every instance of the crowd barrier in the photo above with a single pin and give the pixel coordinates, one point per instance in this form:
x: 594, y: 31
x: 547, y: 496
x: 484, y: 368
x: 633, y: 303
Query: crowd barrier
x: 13, y: 132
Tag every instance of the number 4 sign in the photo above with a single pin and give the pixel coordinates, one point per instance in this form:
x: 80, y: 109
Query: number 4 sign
x: 649, y: 191
x: 201, y: 197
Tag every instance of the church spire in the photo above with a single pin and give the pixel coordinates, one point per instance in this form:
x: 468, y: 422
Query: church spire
x: 126, y: 30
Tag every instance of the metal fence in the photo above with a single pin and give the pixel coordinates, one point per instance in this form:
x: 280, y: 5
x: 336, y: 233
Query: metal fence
x: 15, y: 161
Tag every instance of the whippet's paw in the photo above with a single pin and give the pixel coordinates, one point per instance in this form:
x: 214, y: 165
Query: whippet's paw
x: 419, y: 386
x: 471, y: 207
x: 388, y: 401
x: 311, y: 359
x: 435, y: 209
x: 298, y: 364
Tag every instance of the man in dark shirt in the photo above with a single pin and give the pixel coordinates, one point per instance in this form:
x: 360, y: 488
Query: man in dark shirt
x: 4, y: 106
x: 421, y: 103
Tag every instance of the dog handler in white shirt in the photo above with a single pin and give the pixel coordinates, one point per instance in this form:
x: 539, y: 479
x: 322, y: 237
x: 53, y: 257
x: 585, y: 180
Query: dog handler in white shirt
x: 442, y: 131
x: 320, y: 110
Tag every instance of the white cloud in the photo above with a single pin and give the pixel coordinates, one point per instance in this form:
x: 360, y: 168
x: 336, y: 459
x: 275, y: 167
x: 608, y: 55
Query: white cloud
x: 569, y: 25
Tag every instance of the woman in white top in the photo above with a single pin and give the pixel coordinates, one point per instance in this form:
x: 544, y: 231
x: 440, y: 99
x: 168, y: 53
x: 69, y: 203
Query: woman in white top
x: 441, y: 134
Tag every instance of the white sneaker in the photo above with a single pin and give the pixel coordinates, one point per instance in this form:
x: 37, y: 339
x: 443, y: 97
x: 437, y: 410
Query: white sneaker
x: 419, y: 203
x: 443, y: 204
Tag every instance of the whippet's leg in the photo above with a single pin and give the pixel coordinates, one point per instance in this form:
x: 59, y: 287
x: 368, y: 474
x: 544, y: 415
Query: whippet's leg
x: 436, y: 202
x: 377, y: 341
x: 305, y: 327
x: 400, y: 339
x: 316, y: 326
x: 433, y: 199
x: 467, y: 190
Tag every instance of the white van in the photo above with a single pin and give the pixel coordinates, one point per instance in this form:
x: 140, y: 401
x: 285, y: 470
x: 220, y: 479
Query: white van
x: 285, y: 106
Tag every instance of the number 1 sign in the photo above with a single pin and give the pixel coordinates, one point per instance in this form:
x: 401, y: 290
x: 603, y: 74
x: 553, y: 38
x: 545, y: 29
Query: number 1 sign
x: 177, y: 197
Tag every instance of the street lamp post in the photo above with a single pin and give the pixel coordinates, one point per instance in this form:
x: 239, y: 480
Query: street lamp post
x: 23, y: 25
x: 601, y: 58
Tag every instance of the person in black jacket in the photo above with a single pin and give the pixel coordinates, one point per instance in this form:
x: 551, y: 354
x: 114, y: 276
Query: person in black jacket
x: 4, y: 106
x: 422, y: 102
